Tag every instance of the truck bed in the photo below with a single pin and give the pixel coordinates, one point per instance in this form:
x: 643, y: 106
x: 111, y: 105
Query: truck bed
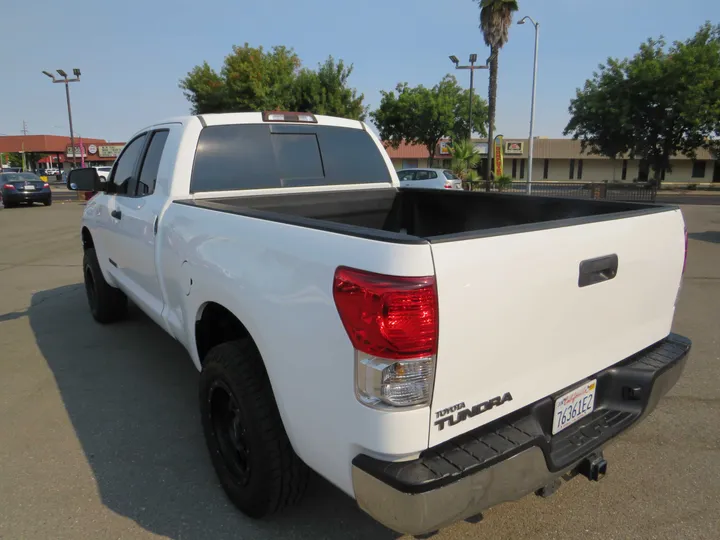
x: 417, y: 216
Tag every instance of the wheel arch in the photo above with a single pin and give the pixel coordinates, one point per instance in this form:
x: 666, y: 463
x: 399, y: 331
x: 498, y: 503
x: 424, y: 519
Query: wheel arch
x: 87, y: 239
x: 216, y: 324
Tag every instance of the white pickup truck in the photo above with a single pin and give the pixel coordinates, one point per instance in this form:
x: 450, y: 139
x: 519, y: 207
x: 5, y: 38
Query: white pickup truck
x: 431, y: 353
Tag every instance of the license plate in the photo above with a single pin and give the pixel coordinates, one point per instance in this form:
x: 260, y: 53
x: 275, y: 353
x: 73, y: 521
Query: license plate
x: 29, y: 188
x: 573, y: 406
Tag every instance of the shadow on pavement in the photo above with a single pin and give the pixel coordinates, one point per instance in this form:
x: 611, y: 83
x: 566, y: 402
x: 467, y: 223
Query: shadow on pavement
x: 707, y: 236
x: 130, y: 392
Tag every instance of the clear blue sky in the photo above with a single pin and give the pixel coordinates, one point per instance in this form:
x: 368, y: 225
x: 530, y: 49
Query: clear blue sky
x: 132, y: 53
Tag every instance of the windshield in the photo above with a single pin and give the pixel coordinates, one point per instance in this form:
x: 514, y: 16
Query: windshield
x: 104, y: 169
x: 450, y: 176
x: 261, y: 156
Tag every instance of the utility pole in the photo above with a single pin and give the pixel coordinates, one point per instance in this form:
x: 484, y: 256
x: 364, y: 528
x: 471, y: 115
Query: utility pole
x: 22, y: 152
x: 65, y: 80
x: 532, y: 103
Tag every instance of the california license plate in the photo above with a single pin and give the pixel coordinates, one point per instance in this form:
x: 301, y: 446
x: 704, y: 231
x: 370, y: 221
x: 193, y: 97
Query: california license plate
x: 574, y: 405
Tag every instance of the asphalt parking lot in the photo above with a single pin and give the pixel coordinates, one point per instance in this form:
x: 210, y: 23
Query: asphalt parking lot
x: 100, y: 436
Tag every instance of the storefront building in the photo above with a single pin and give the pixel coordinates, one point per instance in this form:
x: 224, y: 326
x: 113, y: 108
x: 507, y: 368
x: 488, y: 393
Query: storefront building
x: 562, y: 160
x: 56, y: 151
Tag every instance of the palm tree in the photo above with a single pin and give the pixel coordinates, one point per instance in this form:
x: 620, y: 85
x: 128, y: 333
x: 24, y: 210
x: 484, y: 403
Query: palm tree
x: 495, y: 20
x: 465, y: 161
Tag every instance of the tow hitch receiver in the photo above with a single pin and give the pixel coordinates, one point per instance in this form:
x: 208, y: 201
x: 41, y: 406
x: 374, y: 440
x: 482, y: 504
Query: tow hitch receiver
x: 594, y: 467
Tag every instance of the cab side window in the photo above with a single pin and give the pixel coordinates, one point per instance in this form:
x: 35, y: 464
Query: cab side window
x: 151, y: 164
x: 122, y: 181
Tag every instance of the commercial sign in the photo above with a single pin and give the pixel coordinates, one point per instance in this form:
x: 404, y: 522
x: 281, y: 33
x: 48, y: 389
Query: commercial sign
x: 111, y: 150
x: 445, y: 148
x: 481, y: 148
x: 69, y: 152
x: 514, y: 148
x: 92, y: 149
x: 498, y: 156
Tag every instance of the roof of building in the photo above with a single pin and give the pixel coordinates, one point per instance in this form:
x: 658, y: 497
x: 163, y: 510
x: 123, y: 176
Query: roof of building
x: 49, y: 144
x: 544, y: 148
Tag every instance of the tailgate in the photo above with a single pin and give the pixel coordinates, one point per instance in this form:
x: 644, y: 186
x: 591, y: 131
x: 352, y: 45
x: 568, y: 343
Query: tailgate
x: 514, y: 319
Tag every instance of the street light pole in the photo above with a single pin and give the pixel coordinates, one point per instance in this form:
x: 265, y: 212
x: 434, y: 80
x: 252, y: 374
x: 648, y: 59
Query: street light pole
x: 472, y: 67
x: 532, y: 103
x: 66, y: 81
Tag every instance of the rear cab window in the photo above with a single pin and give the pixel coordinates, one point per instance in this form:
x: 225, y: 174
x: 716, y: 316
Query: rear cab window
x: 262, y: 156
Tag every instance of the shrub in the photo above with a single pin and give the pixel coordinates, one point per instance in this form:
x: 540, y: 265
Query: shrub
x: 503, y: 182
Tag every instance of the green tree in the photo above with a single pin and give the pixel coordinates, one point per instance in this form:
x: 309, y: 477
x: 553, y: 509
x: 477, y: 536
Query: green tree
x: 326, y: 91
x: 461, y: 128
x: 661, y: 102
x: 420, y: 115
x: 495, y: 21
x: 252, y: 79
x: 205, y: 90
x: 14, y: 159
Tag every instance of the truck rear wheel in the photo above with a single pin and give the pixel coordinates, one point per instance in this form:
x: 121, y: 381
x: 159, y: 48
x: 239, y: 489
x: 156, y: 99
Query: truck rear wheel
x: 107, y: 304
x: 250, y: 451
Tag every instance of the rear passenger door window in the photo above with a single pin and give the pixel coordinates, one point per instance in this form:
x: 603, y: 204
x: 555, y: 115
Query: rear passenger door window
x: 151, y: 164
x: 426, y: 175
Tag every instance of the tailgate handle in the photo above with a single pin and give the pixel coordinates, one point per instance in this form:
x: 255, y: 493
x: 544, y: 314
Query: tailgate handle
x: 594, y: 271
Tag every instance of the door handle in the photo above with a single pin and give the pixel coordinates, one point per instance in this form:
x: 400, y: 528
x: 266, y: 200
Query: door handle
x: 117, y: 214
x: 598, y: 270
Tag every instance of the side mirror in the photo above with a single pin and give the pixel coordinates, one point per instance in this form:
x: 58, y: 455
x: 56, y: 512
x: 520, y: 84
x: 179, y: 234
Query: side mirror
x: 85, y: 180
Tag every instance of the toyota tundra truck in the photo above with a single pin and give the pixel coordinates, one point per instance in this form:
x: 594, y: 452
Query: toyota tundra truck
x: 431, y: 353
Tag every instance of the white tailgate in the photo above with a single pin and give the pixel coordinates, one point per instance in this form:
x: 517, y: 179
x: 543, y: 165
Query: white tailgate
x: 514, y: 320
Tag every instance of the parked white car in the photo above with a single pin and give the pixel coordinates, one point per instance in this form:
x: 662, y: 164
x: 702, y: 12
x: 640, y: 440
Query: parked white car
x: 103, y: 172
x: 431, y: 353
x: 429, y: 179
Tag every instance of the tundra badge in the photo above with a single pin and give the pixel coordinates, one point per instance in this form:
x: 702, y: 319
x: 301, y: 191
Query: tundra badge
x: 445, y: 416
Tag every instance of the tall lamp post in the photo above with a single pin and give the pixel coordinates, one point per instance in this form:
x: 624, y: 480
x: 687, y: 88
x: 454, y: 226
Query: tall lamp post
x: 472, y: 67
x: 532, y: 106
x: 65, y: 80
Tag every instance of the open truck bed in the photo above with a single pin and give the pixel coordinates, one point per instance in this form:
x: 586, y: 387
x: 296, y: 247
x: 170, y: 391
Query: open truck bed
x: 417, y: 215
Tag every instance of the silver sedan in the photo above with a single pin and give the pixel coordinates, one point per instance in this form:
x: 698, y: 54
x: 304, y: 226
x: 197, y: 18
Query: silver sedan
x: 428, y: 179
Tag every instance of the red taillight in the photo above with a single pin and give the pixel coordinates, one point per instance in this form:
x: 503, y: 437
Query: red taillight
x: 388, y: 316
x: 8, y: 186
x: 686, y: 251
x: 448, y: 185
x: 46, y: 185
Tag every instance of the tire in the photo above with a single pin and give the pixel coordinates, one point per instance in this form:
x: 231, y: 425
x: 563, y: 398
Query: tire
x: 250, y: 451
x: 48, y: 202
x: 107, y: 304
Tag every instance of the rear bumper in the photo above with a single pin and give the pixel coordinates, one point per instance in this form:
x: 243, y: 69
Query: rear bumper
x: 36, y: 196
x: 515, y: 455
